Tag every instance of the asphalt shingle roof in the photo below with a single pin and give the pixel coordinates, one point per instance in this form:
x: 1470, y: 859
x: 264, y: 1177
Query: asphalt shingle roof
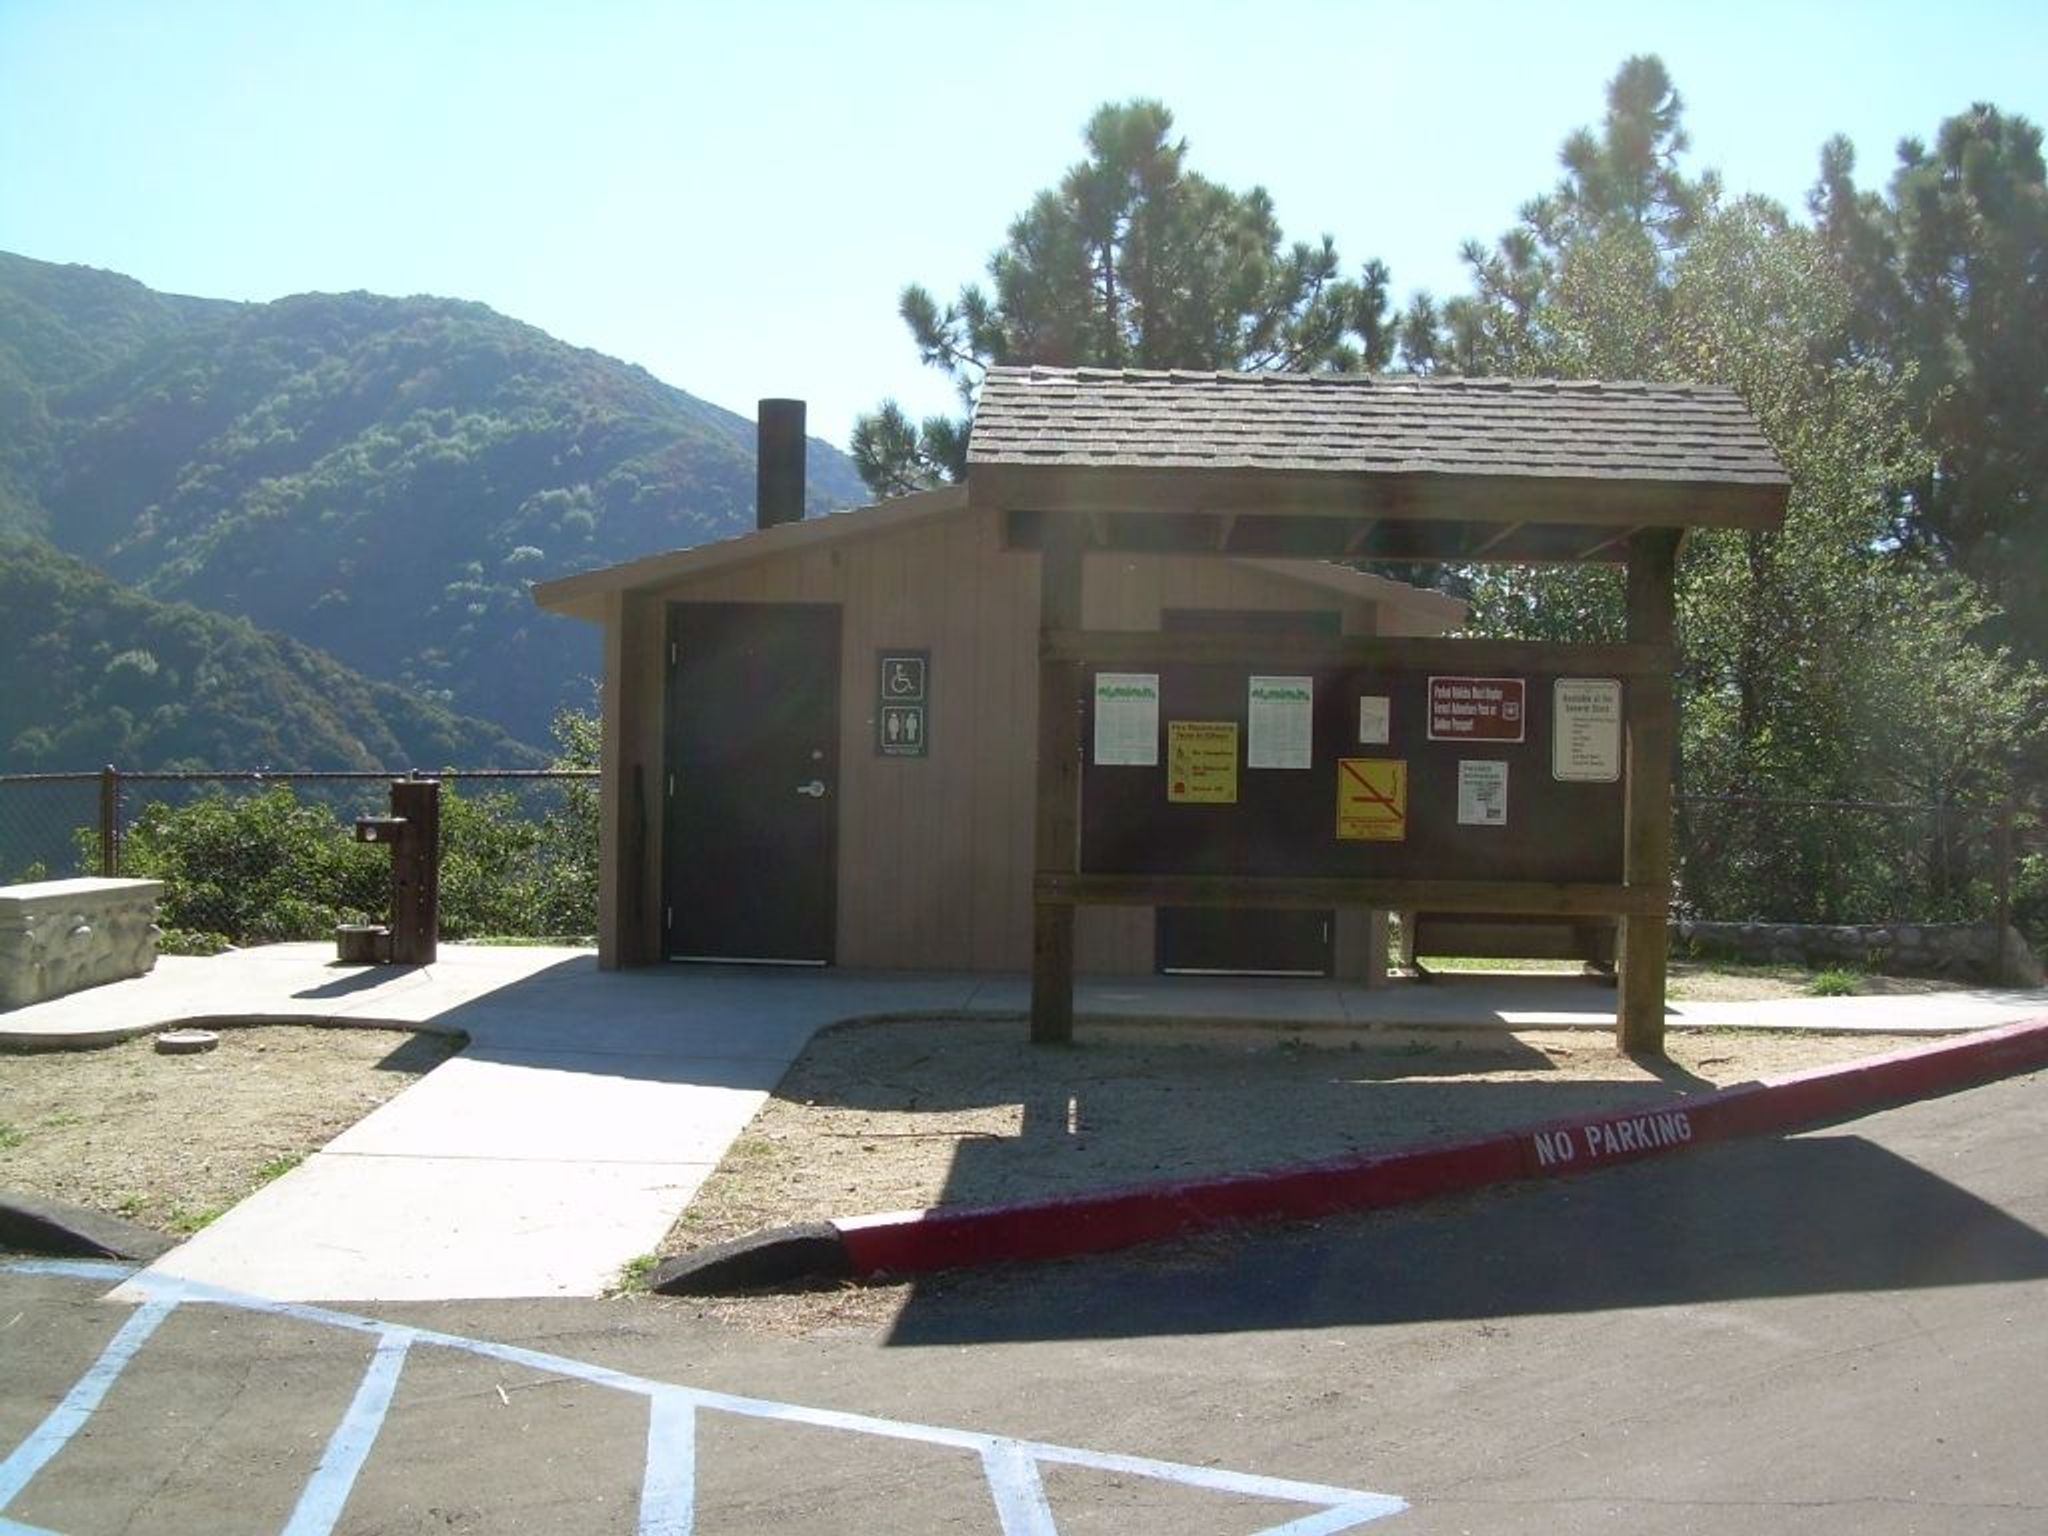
x: 1352, y: 424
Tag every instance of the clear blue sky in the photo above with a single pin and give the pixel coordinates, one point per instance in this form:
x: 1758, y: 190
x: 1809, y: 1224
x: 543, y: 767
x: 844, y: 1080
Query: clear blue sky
x: 732, y: 196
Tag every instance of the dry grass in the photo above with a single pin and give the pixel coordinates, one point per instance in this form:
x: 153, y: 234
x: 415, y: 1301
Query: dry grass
x: 172, y: 1141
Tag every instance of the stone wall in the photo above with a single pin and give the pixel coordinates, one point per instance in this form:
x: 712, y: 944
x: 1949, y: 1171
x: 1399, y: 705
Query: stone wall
x: 1955, y: 951
x: 58, y: 936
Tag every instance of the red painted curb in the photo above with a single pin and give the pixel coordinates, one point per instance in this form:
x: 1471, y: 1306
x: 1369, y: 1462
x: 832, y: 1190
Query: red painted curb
x: 949, y: 1238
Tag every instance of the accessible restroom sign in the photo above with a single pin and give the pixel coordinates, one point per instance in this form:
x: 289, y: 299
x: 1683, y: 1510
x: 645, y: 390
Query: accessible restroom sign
x: 902, y: 703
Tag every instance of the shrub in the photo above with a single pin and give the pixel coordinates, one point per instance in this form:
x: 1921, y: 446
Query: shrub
x: 1834, y: 983
x: 253, y: 868
x: 266, y: 867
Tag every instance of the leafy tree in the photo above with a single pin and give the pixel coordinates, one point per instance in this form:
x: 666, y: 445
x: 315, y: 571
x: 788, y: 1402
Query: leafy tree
x: 1628, y: 176
x: 566, y: 904
x: 1132, y: 261
x: 1622, y: 210
x: 896, y: 456
x: 1950, y: 271
x: 1814, y: 661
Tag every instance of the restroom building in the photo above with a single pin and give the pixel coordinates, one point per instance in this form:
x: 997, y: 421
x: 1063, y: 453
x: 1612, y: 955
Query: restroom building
x: 819, y: 738
x: 1121, y: 703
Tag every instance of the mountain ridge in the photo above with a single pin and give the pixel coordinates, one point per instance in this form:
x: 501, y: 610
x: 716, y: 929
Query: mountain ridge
x: 381, y: 478
x: 165, y: 686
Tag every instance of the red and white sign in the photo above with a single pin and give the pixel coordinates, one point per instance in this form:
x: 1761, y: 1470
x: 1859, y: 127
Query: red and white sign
x: 1478, y: 709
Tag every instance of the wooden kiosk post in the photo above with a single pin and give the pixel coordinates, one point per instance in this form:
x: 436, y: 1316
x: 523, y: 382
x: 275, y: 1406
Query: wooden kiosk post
x: 1651, y: 719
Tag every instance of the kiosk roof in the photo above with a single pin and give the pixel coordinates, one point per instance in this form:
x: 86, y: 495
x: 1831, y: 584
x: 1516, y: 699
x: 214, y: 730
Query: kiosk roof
x: 1505, y: 469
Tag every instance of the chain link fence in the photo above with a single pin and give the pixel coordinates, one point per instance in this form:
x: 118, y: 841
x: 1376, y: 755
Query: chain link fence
x: 1739, y: 858
x: 42, y: 817
x: 255, y: 856
x: 1753, y: 858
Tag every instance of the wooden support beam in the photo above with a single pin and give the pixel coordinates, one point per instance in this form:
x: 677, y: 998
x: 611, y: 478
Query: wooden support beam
x: 1129, y: 648
x: 1316, y: 893
x: 629, y: 929
x: 1226, y: 525
x: 1604, y: 542
x: 1360, y: 536
x: 1056, y: 840
x: 1498, y: 537
x: 1098, y: 530
x: 1650, y: 716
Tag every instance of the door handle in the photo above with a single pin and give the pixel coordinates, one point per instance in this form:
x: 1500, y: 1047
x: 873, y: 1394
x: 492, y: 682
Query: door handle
x: 815, y: 789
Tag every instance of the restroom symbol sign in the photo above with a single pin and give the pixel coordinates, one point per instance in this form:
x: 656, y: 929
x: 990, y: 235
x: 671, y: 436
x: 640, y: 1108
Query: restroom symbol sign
x: 902, y: 703
x: 903, y: 730
x: 903, y: 678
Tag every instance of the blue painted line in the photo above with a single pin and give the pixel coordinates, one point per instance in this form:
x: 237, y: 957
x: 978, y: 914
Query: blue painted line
x: 1221, y: 1479
x: 72, y: 1269
x: 668, y: 1486
x: 1019, y: 1493
x: 1346, y: 1517
x: 668, y: 1494
x: 327, y: 1490
x: 80, y: 1403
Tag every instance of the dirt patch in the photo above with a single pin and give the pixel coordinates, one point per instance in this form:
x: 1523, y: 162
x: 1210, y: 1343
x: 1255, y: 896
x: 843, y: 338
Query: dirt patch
x: 890, y: 1116
x: 172, y: 1141
x: 1699, y: 981
x: 1696, y: 982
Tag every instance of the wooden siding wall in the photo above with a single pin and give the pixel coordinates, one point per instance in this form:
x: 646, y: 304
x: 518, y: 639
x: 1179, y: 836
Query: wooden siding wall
x: 935, y: 852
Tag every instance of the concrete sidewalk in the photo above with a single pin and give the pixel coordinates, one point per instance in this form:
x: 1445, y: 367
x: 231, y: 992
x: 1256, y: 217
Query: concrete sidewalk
x: 589, y: 1106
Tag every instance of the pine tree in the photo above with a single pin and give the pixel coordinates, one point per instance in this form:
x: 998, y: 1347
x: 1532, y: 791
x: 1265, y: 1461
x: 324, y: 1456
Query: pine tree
x: 1950, y: 269
x: 1132, y: 261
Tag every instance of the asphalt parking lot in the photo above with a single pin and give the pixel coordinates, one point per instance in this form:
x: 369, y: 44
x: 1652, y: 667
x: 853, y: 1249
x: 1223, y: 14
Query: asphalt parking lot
x: 1831, y: 1332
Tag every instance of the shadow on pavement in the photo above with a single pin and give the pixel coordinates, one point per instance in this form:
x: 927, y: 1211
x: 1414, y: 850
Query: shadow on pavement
x: 419, y: 1053
x: 357, y: 978
x: 1754, y: 1219
x: 1132, y: 1106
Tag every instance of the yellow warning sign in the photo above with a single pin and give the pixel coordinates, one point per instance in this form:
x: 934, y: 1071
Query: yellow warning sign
x: 1372, y: 799
x: 1201, y: 762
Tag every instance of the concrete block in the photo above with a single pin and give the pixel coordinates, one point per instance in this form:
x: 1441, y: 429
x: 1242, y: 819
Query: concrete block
x: 61, y: 936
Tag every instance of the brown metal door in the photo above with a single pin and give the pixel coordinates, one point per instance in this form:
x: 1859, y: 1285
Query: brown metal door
x: 752, y: 782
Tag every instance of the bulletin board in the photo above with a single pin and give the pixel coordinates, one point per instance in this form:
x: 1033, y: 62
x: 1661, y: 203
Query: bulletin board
x: 1498, y: 778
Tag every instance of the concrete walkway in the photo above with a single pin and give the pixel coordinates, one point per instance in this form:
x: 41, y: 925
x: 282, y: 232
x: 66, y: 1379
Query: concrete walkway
x: 589, y: 1106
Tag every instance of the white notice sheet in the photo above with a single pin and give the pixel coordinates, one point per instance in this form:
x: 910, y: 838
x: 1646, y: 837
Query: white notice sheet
x: 1282, y: 723
x: 1127, y: 719
x: 1482, y: 794
x: 1375, y: 719
x: 1585, y: 730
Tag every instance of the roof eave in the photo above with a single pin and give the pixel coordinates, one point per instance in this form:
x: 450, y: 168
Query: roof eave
x: 583, y: 595
x: 1751, y: 502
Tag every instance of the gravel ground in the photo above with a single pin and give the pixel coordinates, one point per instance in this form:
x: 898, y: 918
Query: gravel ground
x: 172, y: 1141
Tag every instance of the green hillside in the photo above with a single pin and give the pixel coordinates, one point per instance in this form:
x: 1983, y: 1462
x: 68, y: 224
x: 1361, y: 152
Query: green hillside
x: 100, y: 673
x: 58, y: 326
x: 381, y: 478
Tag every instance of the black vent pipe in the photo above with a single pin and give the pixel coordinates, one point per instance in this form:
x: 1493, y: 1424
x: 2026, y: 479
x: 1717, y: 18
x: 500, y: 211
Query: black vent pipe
x: 779, y: 464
